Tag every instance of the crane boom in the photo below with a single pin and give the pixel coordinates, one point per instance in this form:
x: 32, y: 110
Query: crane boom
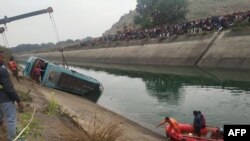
x: 6, y: 20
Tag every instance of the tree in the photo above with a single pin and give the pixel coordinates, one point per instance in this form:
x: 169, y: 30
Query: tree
x: 159, y: 12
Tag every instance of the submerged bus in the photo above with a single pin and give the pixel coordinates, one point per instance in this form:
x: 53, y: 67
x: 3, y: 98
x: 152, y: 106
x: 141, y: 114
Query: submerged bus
x: 58, y: 77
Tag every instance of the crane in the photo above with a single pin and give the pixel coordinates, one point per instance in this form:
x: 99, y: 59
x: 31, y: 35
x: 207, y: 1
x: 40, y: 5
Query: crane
x: 49, y: 10
x: 6, y: 20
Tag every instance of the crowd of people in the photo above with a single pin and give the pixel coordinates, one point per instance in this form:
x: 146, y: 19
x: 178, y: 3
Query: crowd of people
x: 192, y: 27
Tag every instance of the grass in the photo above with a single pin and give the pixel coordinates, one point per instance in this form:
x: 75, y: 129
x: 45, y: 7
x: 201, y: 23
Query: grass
x: 34, y: 130
x: 101, y: 132
x: 53, y: 107
x: 98, y: 131
x: 25, y: 96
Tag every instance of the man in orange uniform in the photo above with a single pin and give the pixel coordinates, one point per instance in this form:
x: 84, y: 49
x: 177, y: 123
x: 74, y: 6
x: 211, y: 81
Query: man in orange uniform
x: 173, y: 124
x: 13, y: 67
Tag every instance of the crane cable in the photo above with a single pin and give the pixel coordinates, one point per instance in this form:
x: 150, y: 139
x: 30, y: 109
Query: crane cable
x: 58, y: 39
x: 6, y: 40
x: 6, y: 43
x: 3, y: 40
x: 54, y: 27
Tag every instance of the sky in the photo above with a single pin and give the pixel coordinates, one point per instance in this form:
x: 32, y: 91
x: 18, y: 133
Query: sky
x: 75, y: 19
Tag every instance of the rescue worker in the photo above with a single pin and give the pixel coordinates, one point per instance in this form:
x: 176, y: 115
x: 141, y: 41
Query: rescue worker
x: 173, y: 124
x: 37, y: 73
x: 197, y: 122
x: 13, y: 67
x: 203, y: 120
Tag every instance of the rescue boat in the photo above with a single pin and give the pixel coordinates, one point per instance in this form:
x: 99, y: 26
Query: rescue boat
x: 188, y: 133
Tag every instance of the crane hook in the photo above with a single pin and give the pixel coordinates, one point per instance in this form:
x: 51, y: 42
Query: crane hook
x: 49, y: 10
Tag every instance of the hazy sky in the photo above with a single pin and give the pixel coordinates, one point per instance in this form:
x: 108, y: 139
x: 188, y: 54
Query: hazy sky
x: 75, y: 19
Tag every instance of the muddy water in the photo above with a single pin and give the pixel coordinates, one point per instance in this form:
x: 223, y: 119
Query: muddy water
x: 147, y: 98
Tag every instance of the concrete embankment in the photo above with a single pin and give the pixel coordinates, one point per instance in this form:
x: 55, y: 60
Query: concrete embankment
x: 228, y: 52
x: 216, y: 51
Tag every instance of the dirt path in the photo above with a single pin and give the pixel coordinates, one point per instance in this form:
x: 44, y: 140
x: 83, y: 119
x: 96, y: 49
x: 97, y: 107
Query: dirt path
x: 84, y: 110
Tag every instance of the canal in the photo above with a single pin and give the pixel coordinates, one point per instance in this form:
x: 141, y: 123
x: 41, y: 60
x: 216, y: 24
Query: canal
x: 147, y: 97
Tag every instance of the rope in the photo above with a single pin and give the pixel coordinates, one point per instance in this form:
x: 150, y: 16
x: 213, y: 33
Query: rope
x: 26, y: 125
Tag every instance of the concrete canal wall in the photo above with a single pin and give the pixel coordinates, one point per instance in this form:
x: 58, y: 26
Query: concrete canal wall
x: 228, y: 52
x: 216, y: 51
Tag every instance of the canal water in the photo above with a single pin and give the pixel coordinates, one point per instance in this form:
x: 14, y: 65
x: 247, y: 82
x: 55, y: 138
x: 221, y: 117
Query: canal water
x: 146, y: 98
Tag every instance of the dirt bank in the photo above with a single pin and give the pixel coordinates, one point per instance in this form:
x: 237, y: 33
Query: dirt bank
x: 59, y: 128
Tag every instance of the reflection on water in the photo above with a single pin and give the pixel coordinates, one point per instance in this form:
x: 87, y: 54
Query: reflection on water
x: 146, y: 98
x: 161, y: 85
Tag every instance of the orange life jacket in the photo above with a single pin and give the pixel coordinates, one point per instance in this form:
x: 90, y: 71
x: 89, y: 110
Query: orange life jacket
x: 174, y: 124
x: 12, y: 66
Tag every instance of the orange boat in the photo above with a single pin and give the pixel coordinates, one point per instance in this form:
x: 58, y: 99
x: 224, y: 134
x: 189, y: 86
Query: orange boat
x: 188, y: 133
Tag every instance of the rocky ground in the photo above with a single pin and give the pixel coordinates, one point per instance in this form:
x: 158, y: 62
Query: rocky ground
x: 78, y: 119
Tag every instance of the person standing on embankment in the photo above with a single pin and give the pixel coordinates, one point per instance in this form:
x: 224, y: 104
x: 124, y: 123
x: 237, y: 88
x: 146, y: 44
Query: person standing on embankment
x: 8, y: 96
x: 13, y: 67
